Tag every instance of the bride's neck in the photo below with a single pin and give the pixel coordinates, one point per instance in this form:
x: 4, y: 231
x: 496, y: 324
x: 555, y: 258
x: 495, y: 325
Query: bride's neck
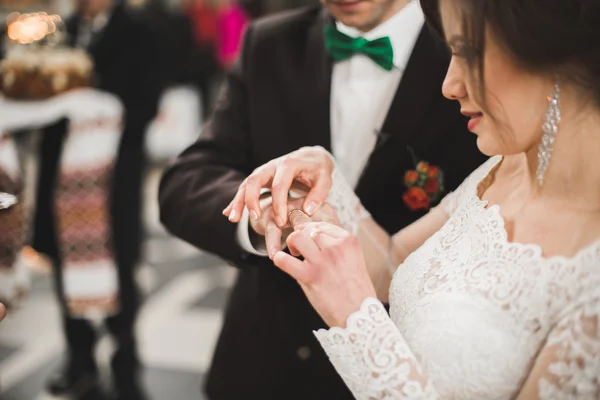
x: 573, y: 174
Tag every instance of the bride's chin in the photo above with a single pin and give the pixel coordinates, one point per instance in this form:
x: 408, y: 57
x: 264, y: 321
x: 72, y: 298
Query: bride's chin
x: 487, y: 147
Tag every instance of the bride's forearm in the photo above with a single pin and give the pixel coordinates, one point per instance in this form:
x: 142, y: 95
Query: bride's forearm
x: 383, y: 254
x: 380, y: 255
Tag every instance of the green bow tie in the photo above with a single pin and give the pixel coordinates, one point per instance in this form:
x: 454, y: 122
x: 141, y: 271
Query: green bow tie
x: 341, y: 46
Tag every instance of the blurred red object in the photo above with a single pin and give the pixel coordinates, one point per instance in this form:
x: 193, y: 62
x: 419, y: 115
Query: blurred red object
x: 232, y: 22
x: 204, y: 17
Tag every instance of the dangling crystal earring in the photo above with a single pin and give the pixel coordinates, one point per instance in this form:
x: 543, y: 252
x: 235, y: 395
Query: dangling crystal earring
x: 550, y: 129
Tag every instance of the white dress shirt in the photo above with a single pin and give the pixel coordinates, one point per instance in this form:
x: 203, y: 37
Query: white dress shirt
x: 361, y: 95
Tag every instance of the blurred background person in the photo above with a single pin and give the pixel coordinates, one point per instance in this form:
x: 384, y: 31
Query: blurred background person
x: 203, y: 14
x: 176, y: 42
x: 126, y: 58
x: 232, y: 21
x: 188, y: 39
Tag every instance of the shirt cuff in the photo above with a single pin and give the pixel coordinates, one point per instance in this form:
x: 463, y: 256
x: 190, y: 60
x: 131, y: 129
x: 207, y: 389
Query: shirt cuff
x: 249, y: 240
x: 243, y: 236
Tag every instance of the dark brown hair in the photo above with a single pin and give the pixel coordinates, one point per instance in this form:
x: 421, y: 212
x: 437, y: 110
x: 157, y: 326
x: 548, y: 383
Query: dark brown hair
x: 559, y: 37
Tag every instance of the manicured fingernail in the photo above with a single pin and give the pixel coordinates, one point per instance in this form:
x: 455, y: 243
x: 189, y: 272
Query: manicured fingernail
x: 272, y: 253
x: 310, y: 208
x: 253, y: 215
x: 232, y: 215
x: 280, y: 221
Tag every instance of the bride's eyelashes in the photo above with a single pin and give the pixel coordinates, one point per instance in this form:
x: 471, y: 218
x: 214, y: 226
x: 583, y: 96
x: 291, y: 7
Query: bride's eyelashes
x: 458, y: 47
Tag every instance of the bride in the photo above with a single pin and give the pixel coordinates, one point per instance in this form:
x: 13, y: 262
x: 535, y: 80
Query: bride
x: 497, y: 292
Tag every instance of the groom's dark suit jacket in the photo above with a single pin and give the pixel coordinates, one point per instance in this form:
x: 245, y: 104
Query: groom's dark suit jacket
x: 276, y: 99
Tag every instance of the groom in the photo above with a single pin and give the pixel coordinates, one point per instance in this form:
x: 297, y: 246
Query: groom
x: 362, y: 78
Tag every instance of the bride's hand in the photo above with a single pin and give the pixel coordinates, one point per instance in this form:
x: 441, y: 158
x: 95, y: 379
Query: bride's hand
x: 311, y: 166
x: 333, y: 275
x: 266, y: 226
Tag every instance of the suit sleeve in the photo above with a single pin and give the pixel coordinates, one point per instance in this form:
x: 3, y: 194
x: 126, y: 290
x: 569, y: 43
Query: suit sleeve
x: 196, y: 188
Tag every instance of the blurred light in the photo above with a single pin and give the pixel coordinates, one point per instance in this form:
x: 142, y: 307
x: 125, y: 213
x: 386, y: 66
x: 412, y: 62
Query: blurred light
x: 29, y: 28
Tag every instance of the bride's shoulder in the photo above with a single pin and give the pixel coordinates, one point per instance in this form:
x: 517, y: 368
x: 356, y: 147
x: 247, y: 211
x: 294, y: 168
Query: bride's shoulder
x: 453, y: 199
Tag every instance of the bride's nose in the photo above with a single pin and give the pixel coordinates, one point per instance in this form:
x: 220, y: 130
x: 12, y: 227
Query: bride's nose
x: 454, y: 87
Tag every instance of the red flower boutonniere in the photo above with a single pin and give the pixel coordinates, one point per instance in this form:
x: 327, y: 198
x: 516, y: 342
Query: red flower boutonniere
x: 425, y: 185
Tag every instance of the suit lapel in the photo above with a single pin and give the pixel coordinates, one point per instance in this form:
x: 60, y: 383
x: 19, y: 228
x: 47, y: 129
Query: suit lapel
x: 317, y: 84
x: 417, y: 92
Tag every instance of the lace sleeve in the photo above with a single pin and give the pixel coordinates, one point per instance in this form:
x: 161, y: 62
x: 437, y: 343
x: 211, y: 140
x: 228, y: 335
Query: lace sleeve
x: 568, y: 367
x: 450, y: 202
x: 346, y: 203
x: 373, y: 358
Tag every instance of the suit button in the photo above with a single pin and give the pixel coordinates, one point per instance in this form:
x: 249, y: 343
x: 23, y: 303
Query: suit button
x: 303, y: 353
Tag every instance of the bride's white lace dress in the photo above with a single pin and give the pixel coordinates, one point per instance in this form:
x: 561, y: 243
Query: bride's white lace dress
x: 473, y: 315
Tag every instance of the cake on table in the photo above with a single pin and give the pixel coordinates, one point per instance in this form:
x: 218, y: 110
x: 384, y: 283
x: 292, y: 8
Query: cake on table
x: 37, y: 66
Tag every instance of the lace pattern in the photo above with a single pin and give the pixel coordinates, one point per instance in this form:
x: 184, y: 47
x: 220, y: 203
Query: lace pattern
x: 373, y: 358
x: 346, y: 203
x: 474, y: 316
x: 575, y: 344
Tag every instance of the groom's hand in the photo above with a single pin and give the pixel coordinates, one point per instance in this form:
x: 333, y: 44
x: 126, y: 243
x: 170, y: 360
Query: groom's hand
x: 275, y: 235
x: 311, y: 166
x: 267, y: 226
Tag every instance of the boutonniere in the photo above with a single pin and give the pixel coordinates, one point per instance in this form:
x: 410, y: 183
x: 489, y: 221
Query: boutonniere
x: 425, y: 185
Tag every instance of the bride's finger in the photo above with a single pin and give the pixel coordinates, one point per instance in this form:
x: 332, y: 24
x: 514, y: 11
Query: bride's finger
x: 297, y: 269
x: 322, y: 235
x: 300, y: 243
x: 326, y: 227
x: 324, y: 240
x: 309, y: 228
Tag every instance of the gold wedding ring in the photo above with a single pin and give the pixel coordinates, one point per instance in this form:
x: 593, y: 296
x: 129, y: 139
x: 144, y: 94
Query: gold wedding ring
x: 297, y: 217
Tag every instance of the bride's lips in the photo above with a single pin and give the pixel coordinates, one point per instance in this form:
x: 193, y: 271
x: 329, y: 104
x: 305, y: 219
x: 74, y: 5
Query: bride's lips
x: 347, y: 5
x: 475, y: 118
